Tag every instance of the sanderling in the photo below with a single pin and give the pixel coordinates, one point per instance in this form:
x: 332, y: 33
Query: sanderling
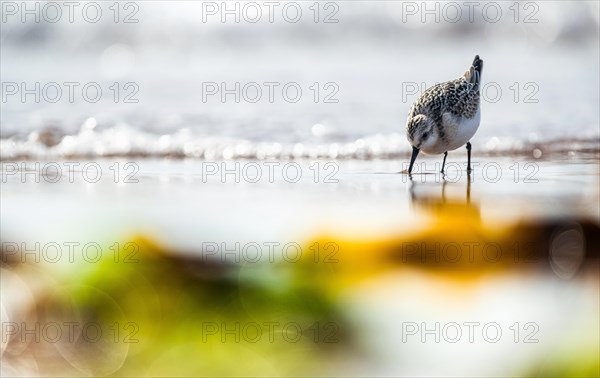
x: 446, y: 116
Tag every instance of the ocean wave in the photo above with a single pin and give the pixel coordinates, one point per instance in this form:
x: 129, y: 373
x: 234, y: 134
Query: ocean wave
x: 125, y: 141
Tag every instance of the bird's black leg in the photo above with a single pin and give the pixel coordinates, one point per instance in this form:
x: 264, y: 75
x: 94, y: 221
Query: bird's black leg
x: 468, y: 157
x: 444, y: 162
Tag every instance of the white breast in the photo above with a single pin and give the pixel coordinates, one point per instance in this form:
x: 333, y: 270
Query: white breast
x: 460, y: 129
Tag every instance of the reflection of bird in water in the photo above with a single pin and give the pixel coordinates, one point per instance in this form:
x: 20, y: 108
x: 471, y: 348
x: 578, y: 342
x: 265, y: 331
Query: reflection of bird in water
x: 456, y: 225
x: 446, y: 116
x: 424, y: 199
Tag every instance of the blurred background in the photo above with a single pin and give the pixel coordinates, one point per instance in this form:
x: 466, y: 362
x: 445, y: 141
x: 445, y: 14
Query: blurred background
x: 163, y: 266
x: 540, y: 75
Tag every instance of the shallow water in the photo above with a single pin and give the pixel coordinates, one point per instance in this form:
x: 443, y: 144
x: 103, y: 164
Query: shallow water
x: 414, y: 261
x: 187, y: 201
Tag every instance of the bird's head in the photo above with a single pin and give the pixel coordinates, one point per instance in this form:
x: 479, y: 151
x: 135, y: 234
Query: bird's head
x: 421, y: 132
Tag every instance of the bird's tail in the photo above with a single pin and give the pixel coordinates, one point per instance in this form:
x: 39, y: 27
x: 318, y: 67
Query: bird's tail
x: 473, y: 74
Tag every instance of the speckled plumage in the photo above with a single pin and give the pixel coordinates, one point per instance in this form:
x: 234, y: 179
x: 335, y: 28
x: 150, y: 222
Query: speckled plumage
x: 453, y: 108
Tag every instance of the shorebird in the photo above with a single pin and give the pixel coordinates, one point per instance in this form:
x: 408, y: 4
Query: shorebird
x: 446, y: 116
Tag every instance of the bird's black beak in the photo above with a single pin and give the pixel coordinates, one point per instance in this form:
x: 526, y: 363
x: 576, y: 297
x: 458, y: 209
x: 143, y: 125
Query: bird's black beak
x: 413, y: 158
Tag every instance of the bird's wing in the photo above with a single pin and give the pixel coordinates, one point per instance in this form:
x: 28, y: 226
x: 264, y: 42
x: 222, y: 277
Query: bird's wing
x: 462, y: 98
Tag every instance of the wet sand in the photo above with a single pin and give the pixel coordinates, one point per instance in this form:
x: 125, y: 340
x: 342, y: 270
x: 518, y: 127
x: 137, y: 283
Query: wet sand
x: 382, y: 273
x: 181, y: 202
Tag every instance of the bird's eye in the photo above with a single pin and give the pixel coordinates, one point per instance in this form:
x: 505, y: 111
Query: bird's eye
x: 425, y: 135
